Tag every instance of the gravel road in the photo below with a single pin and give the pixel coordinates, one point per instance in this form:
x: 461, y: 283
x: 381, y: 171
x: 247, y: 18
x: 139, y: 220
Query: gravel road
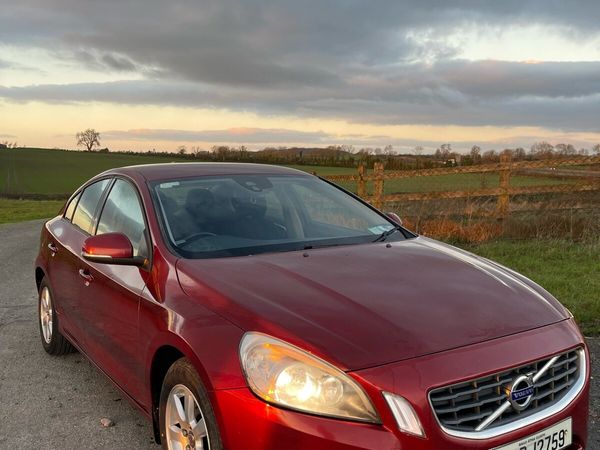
x: 57, y: 403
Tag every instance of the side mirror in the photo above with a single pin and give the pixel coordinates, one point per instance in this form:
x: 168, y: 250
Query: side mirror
x: 395, y: 217
x: 111, y: 248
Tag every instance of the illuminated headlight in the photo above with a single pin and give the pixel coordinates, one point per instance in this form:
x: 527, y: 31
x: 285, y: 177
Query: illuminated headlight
x: 285, y: 375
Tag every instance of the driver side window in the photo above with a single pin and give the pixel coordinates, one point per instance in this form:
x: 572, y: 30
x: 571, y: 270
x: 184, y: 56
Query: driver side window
x: 123, y: 213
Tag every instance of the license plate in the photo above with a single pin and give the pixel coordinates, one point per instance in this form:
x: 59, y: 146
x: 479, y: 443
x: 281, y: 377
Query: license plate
x: 554, y: 438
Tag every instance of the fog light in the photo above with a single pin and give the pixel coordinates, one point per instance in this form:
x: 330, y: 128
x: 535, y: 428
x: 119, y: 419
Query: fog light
x: 405, y: 415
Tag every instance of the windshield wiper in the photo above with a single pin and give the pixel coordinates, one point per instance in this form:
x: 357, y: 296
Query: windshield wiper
x: 313, y: 246
x: 383, y: 236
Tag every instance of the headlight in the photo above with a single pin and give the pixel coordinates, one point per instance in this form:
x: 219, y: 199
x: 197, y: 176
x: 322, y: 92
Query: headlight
x: 284, y: 375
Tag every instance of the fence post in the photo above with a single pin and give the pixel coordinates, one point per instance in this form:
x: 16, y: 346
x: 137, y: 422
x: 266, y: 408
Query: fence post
x: 362, y: 184
x: 504, y: 197
x: 379, y: 188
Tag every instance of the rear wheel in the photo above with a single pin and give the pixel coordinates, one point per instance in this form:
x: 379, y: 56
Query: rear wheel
x: 53, y: 342
x: 187, y: 420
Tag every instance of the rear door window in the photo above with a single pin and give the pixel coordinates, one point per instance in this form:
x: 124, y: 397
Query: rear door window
x: 87, y: 205
x: 71, y: 207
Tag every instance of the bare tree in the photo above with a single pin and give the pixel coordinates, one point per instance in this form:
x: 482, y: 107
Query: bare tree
x: 444, y: 151
x: 565, y: 149
x: 389, y: 150
x: 89, y: 138
x: 596, y: 149
x: 490, y: 156
x: 519, y: 153
x: 476, y: 154
x: 542, y: 150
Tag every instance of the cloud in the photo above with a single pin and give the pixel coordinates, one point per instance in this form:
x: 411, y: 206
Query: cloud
x: 389, y: 62
x: 264, y: 43
x: 104, y: 60
x: 230, y: 135
x: 257, y: 138
x: 556, y: 95
x: 15, y: 66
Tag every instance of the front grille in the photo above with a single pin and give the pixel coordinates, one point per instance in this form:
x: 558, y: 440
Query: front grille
x: 464, y: 406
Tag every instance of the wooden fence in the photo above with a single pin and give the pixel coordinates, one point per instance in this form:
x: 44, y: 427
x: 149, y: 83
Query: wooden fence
x: 506, y: 168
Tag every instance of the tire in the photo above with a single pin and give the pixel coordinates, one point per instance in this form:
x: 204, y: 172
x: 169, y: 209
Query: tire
x: 53, y: 342
x: 181, y: 381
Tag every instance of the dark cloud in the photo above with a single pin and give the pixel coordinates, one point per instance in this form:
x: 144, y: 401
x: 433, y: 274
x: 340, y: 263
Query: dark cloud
x: 424, y: 95
x: 103, y: 60
x: 355, y: 60
x: 486, y: 79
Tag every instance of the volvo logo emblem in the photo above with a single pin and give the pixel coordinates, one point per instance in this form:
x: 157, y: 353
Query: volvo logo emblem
x: 520, y: 392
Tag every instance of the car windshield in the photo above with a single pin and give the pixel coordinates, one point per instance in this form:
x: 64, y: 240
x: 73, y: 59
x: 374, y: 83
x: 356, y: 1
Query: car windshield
x: 237, y: 215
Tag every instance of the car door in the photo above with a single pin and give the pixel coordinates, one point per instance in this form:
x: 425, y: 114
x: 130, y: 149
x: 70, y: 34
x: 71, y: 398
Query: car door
x: 65, y: 242
x: 111, y: 293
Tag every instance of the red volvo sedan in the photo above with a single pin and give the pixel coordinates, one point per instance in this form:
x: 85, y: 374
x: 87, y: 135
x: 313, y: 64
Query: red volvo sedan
x: 244, y: 306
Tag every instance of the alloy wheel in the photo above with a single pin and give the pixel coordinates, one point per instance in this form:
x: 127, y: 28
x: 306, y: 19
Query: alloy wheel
x: 185, y: 424
x: 46, y: 313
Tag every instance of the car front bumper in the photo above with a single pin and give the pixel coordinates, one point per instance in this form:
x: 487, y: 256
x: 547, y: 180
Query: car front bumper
x: 248, y: 423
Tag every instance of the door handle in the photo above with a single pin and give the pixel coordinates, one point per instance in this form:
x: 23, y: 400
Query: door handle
x: 86, y: 276
x: 53, y: 248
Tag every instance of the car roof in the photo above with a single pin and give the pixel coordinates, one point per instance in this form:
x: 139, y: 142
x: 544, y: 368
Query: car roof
x: 165, y: 171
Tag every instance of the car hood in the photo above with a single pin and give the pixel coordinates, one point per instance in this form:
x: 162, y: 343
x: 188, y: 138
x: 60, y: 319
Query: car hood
x: 365, y: 305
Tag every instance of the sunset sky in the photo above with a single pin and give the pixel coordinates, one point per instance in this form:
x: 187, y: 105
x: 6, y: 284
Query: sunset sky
x: 158, y: 74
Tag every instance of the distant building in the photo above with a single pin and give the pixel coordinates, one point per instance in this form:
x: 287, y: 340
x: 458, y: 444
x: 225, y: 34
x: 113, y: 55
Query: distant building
x: 450, y: 162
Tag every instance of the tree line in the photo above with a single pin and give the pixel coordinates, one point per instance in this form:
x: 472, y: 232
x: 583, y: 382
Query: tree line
x: 350, y: 156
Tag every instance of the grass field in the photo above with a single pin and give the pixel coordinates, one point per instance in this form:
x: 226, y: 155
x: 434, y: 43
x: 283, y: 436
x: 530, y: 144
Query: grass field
x: 569, y: 270
x: 52, y: 172
x: 463, y: 182
x: 20, y: 210
x: 59, y: 173
x: 452, y: 182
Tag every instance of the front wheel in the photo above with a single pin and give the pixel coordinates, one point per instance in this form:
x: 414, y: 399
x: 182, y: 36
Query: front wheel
x: 187, y: 420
